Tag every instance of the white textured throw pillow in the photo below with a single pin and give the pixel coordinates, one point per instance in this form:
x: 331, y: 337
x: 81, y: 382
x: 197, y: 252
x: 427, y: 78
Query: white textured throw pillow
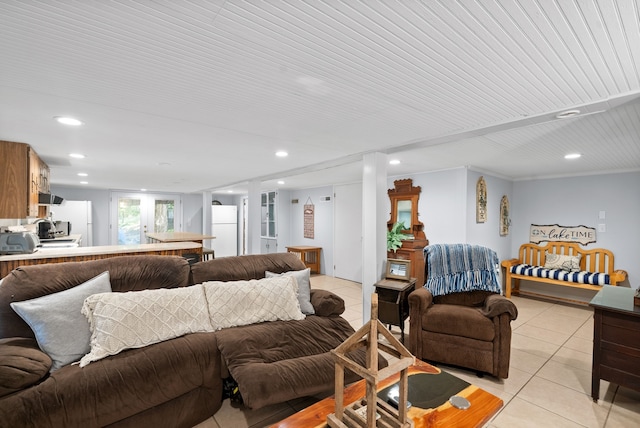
x: 559, y: 261
x: 236, y: 303
x: 303, y: 279
x: 135, y: 319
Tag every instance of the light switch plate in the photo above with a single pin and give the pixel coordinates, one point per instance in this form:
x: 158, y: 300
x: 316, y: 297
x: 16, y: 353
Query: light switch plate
x: 602, y: 227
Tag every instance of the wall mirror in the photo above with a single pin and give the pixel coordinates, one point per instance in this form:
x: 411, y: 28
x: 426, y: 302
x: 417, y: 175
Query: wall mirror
x: 404, y: 199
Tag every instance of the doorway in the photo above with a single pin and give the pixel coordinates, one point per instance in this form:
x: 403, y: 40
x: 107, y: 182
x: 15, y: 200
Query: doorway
x: 135, y: 214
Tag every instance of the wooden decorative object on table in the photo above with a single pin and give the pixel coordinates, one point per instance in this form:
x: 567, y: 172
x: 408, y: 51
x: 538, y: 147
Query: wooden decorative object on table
x: 362, y: 413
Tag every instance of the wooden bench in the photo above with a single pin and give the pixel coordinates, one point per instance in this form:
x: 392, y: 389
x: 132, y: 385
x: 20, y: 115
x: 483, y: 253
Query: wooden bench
x: 595, y: 260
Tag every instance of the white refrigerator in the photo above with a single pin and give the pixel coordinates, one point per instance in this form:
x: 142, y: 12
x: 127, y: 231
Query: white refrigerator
x: 78, y: 213
x: 224, y: 226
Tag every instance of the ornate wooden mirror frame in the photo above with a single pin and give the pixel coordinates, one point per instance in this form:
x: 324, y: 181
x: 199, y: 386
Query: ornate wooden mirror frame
x: 404, y: 207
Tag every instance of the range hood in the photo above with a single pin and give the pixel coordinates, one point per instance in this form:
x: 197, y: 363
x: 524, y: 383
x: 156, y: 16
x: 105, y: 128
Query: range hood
x: 49, y: 199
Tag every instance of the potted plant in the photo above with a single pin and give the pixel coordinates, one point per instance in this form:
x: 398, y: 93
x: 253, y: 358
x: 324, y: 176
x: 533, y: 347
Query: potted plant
x: 395, y: 236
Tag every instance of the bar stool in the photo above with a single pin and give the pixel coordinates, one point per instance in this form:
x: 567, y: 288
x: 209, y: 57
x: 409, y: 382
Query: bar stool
x: 207, y: 254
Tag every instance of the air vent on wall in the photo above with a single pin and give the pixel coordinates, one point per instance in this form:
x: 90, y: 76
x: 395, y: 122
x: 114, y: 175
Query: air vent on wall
x: 325, y: 198
x: 294, y: 201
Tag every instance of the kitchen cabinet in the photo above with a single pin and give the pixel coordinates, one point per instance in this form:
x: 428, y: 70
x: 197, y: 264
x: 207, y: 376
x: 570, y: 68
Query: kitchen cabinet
x: 23, y: 176
x: 274, y: 221
x: 268, y: 226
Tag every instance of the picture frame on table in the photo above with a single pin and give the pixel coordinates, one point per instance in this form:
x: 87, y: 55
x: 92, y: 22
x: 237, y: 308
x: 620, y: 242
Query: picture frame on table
x: 398, y: 269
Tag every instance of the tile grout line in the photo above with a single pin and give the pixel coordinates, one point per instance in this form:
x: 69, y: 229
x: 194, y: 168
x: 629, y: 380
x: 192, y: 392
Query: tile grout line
x: 545, y: 363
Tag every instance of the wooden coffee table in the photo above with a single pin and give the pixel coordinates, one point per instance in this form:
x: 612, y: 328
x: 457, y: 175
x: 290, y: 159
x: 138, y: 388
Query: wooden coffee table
x: 483, y: 404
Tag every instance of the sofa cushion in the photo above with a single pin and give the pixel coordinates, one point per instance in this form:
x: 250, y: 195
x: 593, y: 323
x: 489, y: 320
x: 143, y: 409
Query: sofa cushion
x: 593, y: 278
x: 457, y: 321
x: 22, y: 364
x: 281, y: 360
x: 60, y: 328
x: 236, y: 303
x: 136, y: 319
x: 126, y: 390
x: 559, y: 261
x: 303, y: 278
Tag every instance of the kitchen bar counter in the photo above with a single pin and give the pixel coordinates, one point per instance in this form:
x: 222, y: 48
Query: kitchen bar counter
x: 167, y: 237
x: 76, y: 254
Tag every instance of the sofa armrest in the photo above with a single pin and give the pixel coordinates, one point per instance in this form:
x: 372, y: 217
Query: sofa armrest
x: 22, y: 364
x: 326, y: 304
x: 419, y: 302
x: 495, y: 305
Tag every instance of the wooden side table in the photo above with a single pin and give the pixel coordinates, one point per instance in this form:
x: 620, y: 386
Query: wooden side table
x: 309, y: 255
x: 393, y: 301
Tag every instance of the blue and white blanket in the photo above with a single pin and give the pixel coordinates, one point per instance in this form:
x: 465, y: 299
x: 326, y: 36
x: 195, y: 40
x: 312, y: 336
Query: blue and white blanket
x: 453, y: 268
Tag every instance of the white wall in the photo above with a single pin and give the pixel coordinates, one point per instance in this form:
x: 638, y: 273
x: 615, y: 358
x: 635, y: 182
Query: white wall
x: 192, y: 212
x: 100, y: 205
x: 488, y: 233
x: 99, y: 208
x: 323, y: 223
x: 577, y: 201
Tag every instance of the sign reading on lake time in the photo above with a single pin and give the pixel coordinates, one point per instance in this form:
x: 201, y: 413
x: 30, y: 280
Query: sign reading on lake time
x: 555, y: 232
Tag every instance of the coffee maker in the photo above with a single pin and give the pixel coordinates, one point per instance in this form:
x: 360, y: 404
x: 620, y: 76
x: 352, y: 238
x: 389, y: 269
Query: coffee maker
x: 45, y: 228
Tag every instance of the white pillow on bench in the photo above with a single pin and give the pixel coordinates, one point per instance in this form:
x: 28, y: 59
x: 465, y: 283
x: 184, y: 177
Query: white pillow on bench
x: 559, y: 261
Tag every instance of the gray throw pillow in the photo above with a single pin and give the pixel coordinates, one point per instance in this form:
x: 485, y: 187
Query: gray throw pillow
x: 303, y: 278
x: 62, y: 332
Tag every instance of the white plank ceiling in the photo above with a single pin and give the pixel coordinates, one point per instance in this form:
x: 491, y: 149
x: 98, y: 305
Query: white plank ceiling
x: 182, y: 96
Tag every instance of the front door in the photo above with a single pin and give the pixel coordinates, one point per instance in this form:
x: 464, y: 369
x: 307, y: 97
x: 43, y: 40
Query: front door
x: 135, y: 214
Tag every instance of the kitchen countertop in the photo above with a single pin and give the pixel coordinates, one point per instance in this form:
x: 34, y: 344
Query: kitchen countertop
x: 73, y: 239
x: 49, y: 253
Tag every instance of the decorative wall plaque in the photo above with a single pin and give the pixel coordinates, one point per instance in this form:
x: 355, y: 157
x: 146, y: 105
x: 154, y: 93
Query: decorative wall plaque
x: 309, y: 219
x: 505, y: 221
x: 554, y: 232
x: 481, y: 201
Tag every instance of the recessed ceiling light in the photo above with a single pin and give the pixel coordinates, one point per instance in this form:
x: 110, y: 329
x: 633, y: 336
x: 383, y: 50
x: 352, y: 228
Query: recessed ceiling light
x: 68, y: 121
x: 77, y: 155
x: 567, y: 114
x: 143, y: 190
x: 282, y: 154
x: 84, y: 182
x: 229, y: 191
x: 572, y: 156
x: 394, y: 162
x: 280, y: 182
x: 82, y: 174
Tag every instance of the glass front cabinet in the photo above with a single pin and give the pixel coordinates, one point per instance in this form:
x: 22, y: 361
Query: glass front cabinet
x: 274, y: 221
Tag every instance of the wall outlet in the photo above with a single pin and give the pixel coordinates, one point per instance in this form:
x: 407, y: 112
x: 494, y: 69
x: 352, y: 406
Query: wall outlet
x: 602, y: 227
x: 602, y: 215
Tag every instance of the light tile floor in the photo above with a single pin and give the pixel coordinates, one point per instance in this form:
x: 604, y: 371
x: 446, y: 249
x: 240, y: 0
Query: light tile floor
x: 549, y: 382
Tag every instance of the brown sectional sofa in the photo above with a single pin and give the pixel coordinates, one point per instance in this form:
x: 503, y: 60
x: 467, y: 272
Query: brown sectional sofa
x: 174, y: 383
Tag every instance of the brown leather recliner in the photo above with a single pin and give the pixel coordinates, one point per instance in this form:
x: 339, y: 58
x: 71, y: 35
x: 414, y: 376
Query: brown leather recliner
x: 470, y: 329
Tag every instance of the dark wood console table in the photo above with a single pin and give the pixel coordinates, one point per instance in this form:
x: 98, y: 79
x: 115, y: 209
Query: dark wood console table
x: 393, y: 301
x: 616, y: 339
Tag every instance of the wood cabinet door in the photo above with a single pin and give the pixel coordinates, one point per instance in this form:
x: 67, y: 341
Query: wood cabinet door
x: 34, y: 182
x: 14, y: 176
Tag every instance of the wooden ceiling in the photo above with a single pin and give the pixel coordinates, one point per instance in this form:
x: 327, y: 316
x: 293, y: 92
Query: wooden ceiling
x: 190, y: 95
